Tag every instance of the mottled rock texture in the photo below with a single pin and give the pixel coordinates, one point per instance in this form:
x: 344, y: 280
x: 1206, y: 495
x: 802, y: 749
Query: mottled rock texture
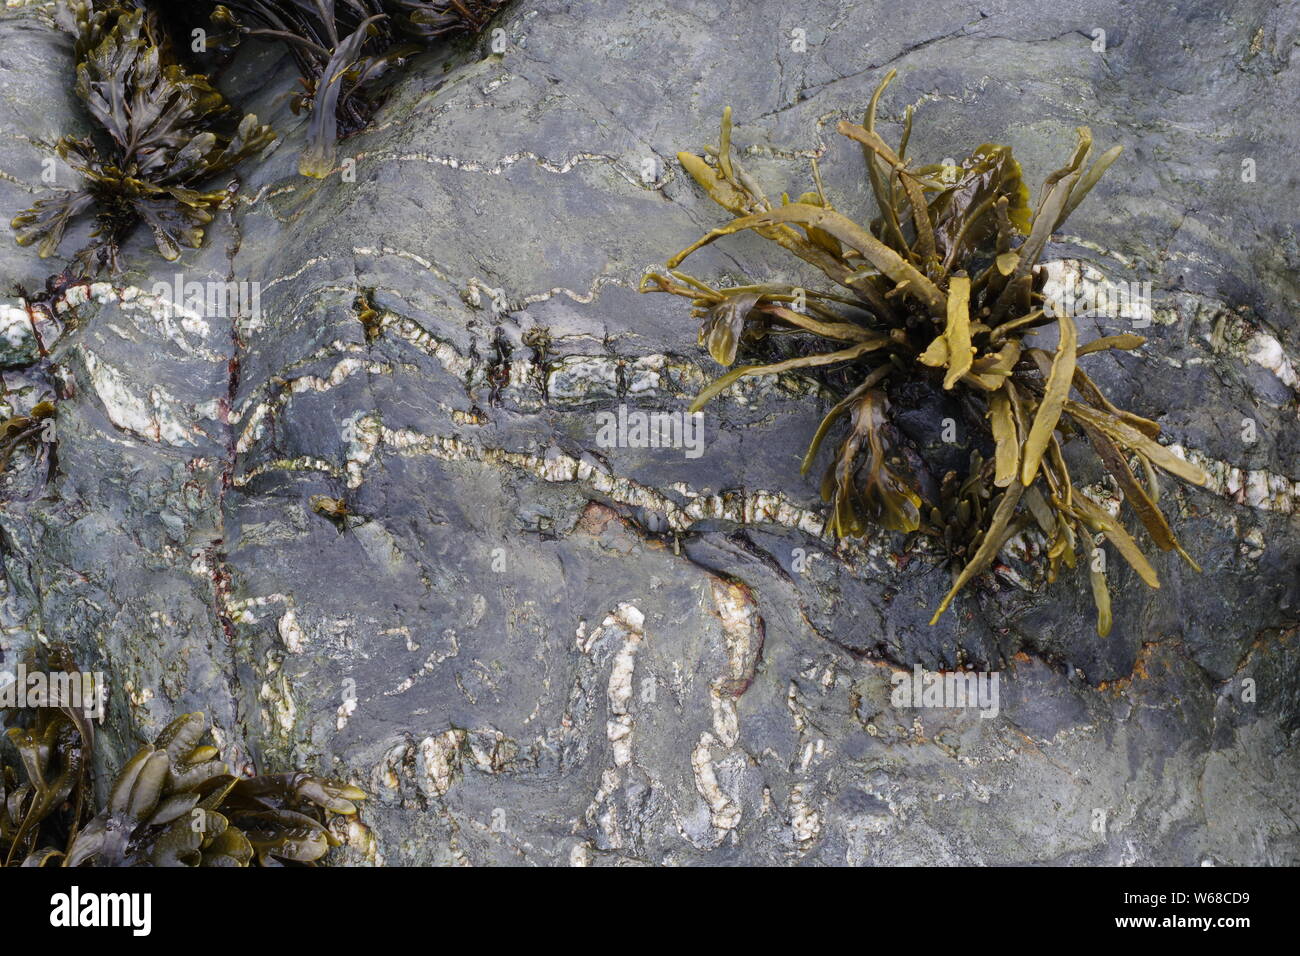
x: 531, y: 649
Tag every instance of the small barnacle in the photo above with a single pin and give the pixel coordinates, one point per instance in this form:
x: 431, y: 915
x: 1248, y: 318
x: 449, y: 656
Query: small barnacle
x: 938, y: 292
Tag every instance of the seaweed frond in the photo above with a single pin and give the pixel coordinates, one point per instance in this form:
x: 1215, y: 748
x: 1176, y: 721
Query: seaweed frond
x: 343, y: 50
x: 941, y: 290
x: 33, y: 427
x: 172, y: 804
x: 158, y: 140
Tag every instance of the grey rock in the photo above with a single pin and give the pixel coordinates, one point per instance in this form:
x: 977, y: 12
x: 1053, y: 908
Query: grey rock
x: 533, y: 649
x: 18, y: 346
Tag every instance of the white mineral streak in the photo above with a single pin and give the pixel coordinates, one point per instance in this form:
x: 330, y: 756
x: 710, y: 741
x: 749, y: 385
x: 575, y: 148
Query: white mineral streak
x: 241, y: 610
x: 627, y: 622
x: 580, y: 855
x: 290, y: 632
x: 618, y: 728
x: 577, y: 378
x: 811, y: 751
x: 804, y: 820
x: 603, y: 812
x: 16, y: 335
x: 490, y: 750
x: 358, y: 837
x: 345, y: 712
x: 386, y: 773
x: 726, y: 722
x: 757, y: 507
x: 365, y: 434
x: 724, y: 813
x: 792, y: 705
x: 480, y: 295
x: 301, y: 463
x: 289, y: 277
x: 281, y: 711
x: 505, y: 162
x: 419, y: 260
x: 255, y: 427
x: 740, y: 631
x: 1257, y: 488
x: 1258, y: 346
x: 439, y: 760
x: 1263, y: 349
x: 413, y: 333
x: 1233, y: 333
x: 430, y: 663
x: 1070, y: 277
x: 169, y: 320
x: 152, y: 418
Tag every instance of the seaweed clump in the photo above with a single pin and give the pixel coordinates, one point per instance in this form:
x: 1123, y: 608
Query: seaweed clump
x: 172, y: 804
x: 36, y: 427
x: 939, y: 290
x: 343, y: 50
x: 158, y: 140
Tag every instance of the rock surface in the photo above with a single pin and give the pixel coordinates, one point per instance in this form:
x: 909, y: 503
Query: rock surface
x: 533, y: 649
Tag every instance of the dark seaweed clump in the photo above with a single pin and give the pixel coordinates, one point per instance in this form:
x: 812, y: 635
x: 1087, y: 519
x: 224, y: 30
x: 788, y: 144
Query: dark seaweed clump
x: 939, y: 291
x: 343, y: 49
x: 173, y: 803
x: 162, y: 133
x: 33, y: 428
x: 159, y: 139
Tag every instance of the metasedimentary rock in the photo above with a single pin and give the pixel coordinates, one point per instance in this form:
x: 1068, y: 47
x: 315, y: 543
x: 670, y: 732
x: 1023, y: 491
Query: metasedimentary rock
x: 531, y: 648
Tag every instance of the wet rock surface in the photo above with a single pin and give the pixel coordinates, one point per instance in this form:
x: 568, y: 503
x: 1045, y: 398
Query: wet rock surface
x: 533, y: 649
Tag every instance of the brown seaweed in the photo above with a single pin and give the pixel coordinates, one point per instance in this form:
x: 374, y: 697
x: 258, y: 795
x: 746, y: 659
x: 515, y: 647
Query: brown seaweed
x: 343, y: 50
x: 173, y: 803
x: 941, y: 288
x: 159, y: 140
